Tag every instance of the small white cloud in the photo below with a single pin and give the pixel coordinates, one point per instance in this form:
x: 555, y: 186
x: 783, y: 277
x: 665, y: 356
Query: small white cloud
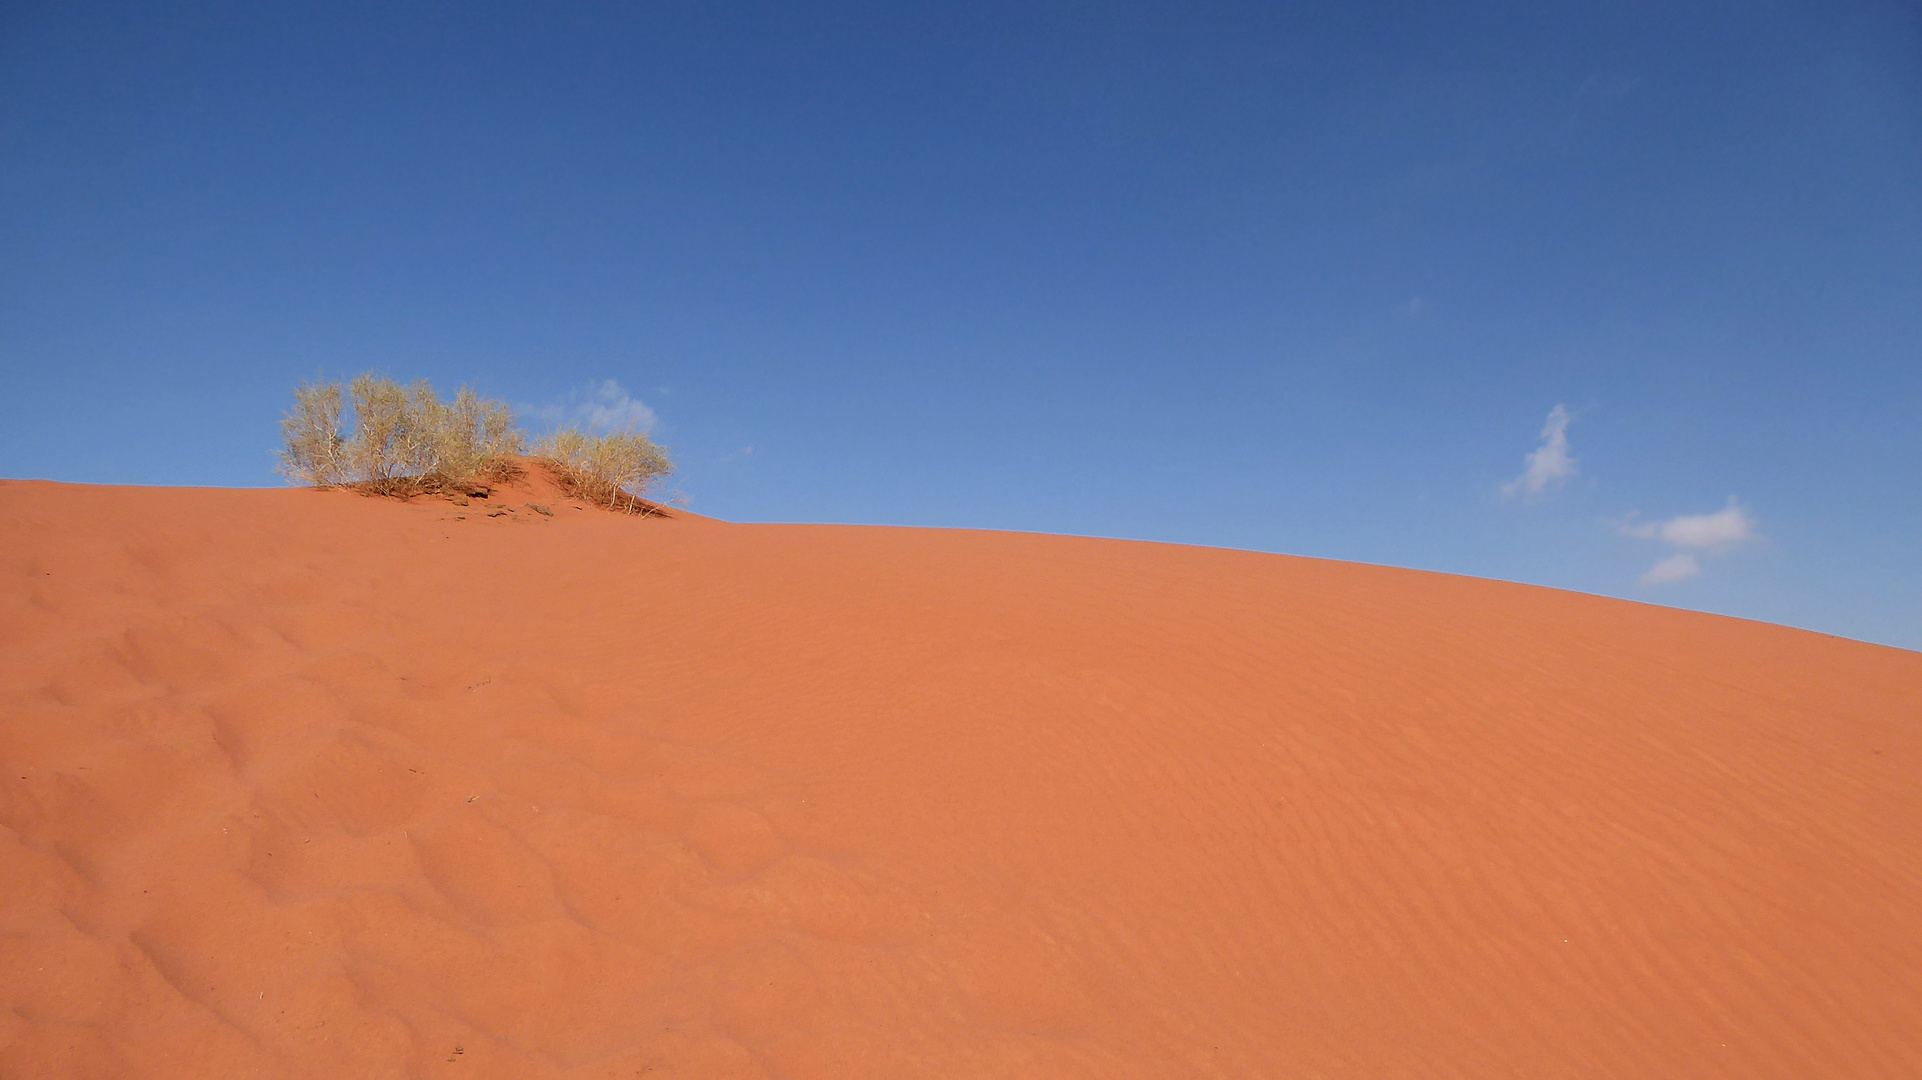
x: 1641, y: 530
x: 1673, y: 568
x: 601, y: 407
x: 1413, y: 307
x: 1548, y: 464
x: 611, y: 408
x: 1711, y: 534
x: 1729, y: 525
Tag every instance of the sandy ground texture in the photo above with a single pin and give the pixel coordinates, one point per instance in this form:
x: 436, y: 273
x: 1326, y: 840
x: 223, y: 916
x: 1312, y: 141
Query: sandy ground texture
x: 305, y: 784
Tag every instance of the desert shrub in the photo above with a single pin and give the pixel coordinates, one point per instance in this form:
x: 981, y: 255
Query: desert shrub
x: 475, y: 436
x: 312, y: 449
x: 389, y: 426
x: 612, y: 470
x: 405, y: 439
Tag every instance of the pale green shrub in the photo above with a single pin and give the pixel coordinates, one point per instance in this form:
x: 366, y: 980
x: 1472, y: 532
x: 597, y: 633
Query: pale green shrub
x: 612, y: 470
x: 404, y: 439
x: 312, y: 450
x: 474, y: 434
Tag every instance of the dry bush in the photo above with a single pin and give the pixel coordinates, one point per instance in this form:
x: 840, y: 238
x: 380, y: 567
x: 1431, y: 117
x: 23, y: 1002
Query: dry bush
x: 405, y: 440
x: 312, y: 449
x: 612, y: 470
x: 476, y: 437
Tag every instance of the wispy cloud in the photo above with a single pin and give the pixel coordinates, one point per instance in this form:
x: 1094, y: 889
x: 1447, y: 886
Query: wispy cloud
x: 1711, y: 534
x: 599, y: 407
x: 1674, y: 568
x: 1548, y: 464
x: 1730, y: 525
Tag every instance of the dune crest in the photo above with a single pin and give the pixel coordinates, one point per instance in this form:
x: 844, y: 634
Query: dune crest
x: 306, y: 784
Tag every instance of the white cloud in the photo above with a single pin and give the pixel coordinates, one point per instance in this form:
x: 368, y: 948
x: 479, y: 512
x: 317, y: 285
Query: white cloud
x: 1729, y: 525
x: 1673, y: 568
x: 1726, y: 527
x: 1549, y: 463
x: 613, y: 409
x: 1711, y: 534
x: 601, y: 407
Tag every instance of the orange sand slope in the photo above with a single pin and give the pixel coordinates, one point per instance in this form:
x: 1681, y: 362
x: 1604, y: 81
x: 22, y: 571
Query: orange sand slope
x: 307, y: 784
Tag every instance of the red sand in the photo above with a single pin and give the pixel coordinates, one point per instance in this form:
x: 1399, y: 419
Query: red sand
x: 308, y: 784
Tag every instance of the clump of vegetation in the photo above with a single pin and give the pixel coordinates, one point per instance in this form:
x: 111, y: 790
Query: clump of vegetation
x: 406, y: 441
x: 611, y: 470
x: 312, y: 450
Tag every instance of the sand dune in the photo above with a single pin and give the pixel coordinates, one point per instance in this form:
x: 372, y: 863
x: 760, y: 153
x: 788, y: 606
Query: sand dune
x: 304, y: 784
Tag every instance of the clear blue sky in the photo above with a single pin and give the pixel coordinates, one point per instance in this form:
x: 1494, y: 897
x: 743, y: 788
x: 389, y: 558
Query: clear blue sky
x: 1301, y: 278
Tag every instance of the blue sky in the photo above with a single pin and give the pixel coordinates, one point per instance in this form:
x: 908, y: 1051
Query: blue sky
x: 1297, y: 278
